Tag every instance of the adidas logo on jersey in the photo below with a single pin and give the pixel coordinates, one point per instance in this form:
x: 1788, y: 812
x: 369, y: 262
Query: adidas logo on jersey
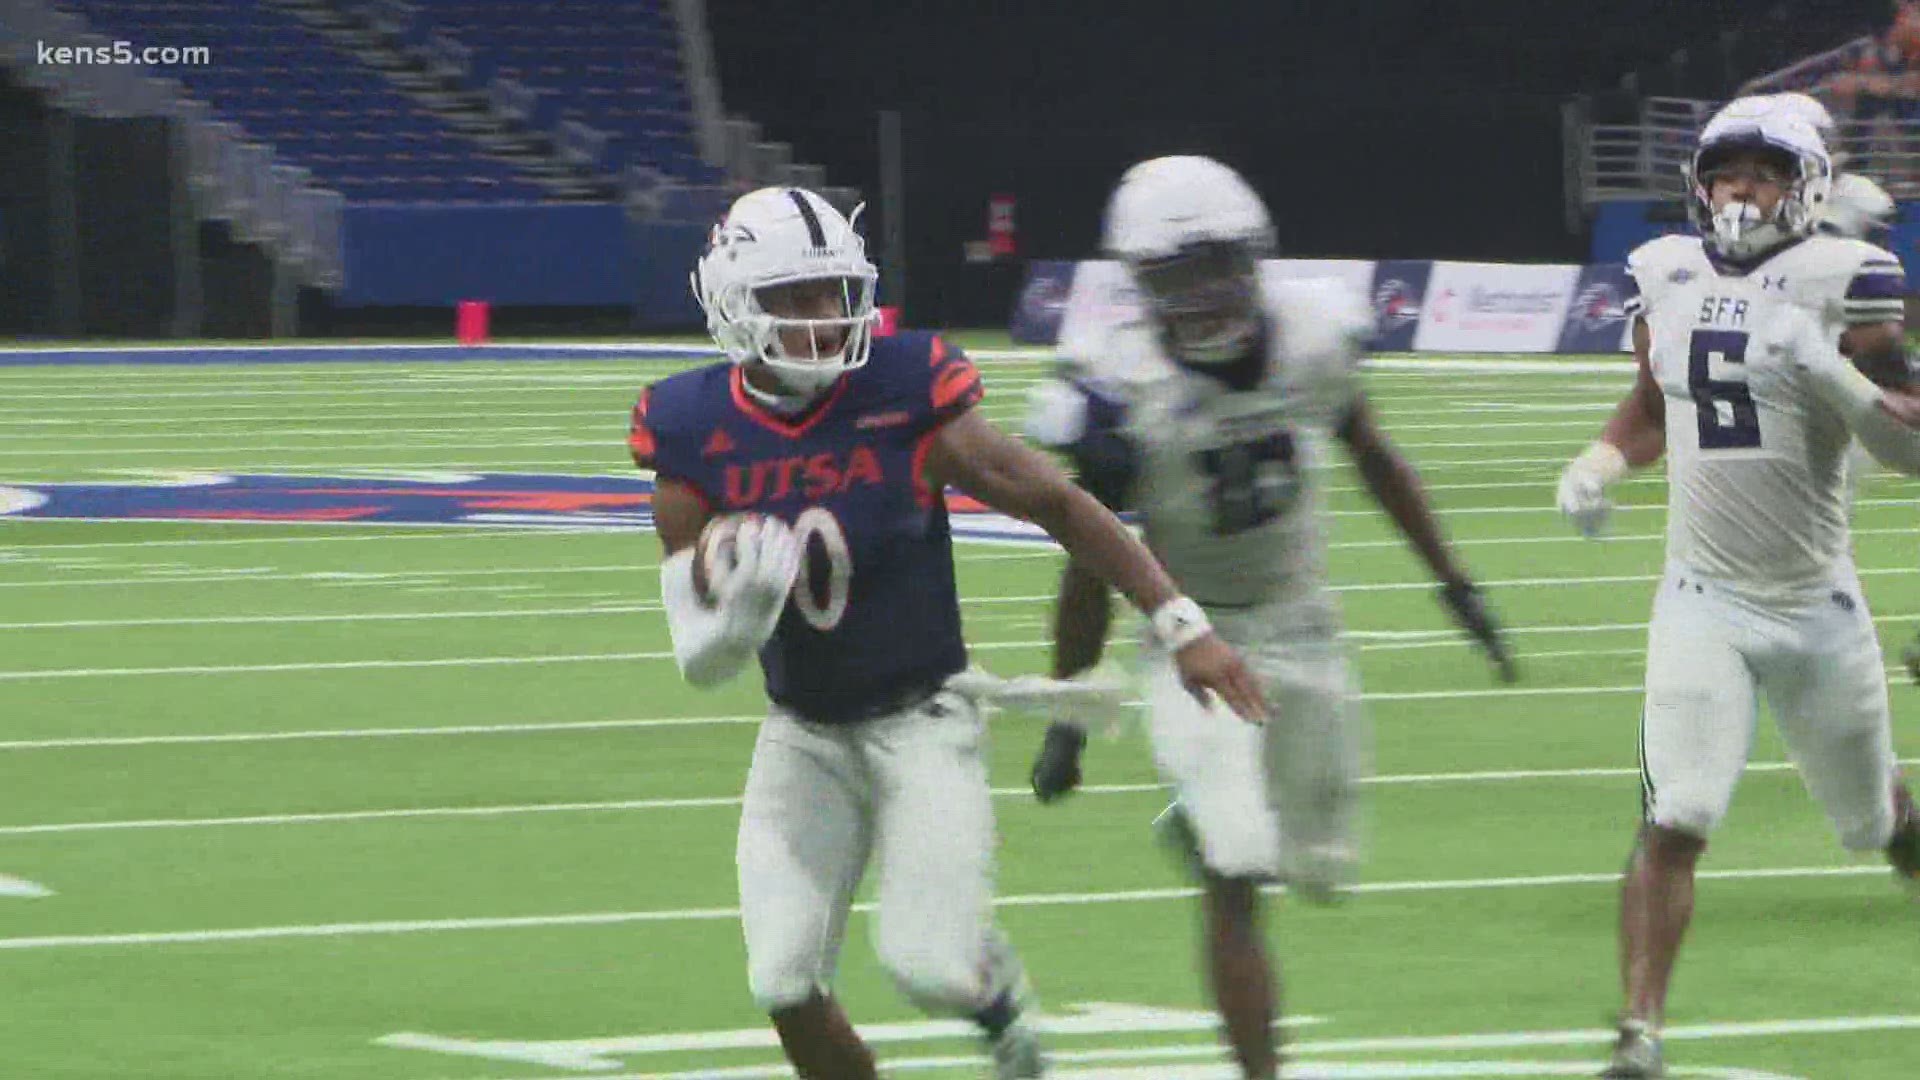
x: 719, y: 443
x: 885, y: 419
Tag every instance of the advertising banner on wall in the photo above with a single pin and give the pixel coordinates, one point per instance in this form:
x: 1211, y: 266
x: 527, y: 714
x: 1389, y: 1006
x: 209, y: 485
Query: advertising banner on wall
x: 1494, y: 308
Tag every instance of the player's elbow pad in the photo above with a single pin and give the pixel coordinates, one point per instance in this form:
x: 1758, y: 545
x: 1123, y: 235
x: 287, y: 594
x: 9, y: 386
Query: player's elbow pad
x: 706, y: 643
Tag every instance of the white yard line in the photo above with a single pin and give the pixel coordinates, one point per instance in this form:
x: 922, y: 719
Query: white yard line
x: 478, y: 441
x: 402, y: 531
x: 1143, y: 1062
x: 256, y: 574
x: 716, y: 914
x: 275, y: 432
x: 712, y: 802
x: 583, y: 420
x: 963, y: 548
x: 484, y: 440
x: 207, y: 739
x: 351, y: 617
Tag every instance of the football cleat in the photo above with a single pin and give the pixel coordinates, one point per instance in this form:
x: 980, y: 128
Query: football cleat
x: 1636, y: 1054
x: 1056, y: 769
x: 1017, y: 1054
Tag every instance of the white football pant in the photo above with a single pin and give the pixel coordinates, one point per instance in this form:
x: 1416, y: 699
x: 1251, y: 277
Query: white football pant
x: 1712, y: 654
x: 909, y: 790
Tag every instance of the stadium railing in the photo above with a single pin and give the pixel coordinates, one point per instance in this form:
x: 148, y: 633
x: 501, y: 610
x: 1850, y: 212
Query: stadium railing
x: 1805, y: 72
x: 1643, y: 161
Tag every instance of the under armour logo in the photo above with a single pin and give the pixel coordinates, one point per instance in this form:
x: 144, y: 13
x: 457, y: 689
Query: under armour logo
x: 1773, y: 282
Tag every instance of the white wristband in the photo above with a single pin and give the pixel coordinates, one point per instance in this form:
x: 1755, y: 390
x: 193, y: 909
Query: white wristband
x: 1179, y: 623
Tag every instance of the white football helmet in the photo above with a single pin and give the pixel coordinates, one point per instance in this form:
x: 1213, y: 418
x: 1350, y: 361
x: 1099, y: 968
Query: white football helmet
x: 1740, y: 231
x: 1858, y: 208
x: 1808, y: 108
x: 777, y: 237
x: 1803, y: 107
x: 1192, y: 232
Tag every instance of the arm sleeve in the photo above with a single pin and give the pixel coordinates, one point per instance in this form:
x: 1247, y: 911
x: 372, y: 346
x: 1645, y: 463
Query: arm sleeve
x: 710, y: 644
x: 1857, y: 400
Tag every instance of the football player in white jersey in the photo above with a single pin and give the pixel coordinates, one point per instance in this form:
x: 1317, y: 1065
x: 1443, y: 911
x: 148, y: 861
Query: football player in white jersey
x: 1204, y: 401
x: 1856, y: 208
x: 1739, y: 335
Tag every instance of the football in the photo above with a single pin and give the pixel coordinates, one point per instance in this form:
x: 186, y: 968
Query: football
x: 716, y: 553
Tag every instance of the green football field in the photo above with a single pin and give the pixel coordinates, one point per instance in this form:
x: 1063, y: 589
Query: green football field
x: 431, y: 803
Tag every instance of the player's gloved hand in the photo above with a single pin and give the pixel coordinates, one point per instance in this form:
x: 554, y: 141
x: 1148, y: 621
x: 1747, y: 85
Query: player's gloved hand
x: 1468, y: 607
x: 1583, y: 487
x: 1056, y: 768
x: 766, y: 562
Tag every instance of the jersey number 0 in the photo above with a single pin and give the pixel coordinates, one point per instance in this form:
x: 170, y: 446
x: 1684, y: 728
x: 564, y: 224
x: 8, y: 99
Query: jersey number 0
x: 823, y: 613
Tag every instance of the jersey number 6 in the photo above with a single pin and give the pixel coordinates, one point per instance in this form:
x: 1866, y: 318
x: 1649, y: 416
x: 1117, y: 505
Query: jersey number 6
x: 823, y: 613
x: 1728, y: 419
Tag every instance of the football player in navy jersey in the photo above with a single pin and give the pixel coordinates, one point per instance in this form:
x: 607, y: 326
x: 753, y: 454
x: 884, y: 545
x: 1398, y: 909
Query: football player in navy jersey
x: 799, y: 499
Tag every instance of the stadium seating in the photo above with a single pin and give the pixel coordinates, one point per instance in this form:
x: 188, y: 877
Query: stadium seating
x: 613, y: 65
x: 1876, y: 77
x: 607, y: 75
x: 285, y: 85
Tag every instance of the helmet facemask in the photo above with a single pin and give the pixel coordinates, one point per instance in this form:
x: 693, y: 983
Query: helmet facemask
x: 807, y: 331
x: 1206, y: 299
x: 1741, y: 229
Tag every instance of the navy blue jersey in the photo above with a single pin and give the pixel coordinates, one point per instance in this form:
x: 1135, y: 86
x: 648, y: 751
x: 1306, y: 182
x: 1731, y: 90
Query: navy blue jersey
x: 875, y: 614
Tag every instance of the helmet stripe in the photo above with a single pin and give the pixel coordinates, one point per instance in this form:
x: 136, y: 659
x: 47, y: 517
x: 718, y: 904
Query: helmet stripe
x: 814, y: 232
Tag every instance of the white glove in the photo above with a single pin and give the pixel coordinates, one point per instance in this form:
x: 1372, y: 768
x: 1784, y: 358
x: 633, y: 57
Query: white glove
x: 766, y: 562
x: 1583, y: 487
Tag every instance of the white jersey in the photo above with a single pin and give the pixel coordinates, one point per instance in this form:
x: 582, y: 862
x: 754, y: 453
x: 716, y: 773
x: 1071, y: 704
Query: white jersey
x: 1756, y: 463
x: 1226, y: 479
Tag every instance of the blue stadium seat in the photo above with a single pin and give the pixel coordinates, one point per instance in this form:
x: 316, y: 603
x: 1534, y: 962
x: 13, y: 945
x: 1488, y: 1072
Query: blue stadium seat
x: 613, y: 64
x: 285, y: 84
